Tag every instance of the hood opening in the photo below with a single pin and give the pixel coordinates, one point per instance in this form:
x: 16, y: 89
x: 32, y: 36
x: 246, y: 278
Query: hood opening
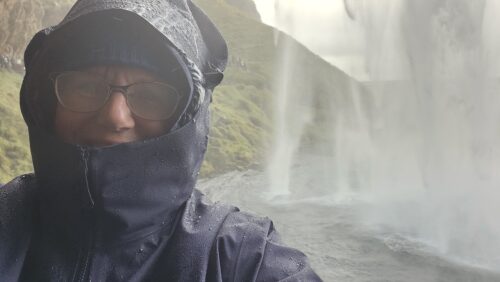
x: 84, y: 42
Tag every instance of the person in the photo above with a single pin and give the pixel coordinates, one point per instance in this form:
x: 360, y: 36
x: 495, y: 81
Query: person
x: 116, y: 101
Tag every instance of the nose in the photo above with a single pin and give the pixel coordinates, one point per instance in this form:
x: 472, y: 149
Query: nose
x: 116, y: 115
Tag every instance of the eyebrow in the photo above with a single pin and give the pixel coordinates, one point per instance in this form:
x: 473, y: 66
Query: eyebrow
x: 142, y: 78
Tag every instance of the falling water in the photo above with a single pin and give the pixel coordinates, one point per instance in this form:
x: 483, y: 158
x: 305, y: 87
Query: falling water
x: 423, y: 155
x: 292, y: 111
x: 434, y: 176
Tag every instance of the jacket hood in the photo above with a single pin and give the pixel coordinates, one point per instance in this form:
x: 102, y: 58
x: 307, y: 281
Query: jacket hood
x: 178, y: 23
x: 126, y: 190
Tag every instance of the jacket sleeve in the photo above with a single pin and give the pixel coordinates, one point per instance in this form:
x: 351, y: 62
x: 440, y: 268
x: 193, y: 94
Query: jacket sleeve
x: 248, y: 248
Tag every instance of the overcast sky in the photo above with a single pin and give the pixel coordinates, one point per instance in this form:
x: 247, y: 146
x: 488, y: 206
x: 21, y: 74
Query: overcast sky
x: 366, y: 43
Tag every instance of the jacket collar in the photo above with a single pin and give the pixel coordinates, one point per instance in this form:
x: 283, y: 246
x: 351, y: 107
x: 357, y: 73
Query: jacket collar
x: 121, y: 192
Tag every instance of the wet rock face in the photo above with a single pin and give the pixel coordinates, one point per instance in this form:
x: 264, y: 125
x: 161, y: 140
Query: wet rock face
x: 55, y: 10
x: 247, y: 6
x: 20, y: 20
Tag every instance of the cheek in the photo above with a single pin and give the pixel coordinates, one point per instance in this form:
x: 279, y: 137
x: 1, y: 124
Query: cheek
x: 149, y: 129
x: 68, y: 124
x: 78, y: 128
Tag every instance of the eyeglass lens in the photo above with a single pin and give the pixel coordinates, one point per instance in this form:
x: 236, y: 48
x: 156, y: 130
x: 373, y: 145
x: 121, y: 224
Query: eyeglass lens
x: 85, y: 92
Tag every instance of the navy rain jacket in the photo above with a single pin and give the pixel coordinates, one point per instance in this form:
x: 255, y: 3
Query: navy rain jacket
x: 129, y: 212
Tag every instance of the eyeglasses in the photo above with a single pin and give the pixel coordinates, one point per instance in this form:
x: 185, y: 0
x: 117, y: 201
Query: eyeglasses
x: 86, y: 92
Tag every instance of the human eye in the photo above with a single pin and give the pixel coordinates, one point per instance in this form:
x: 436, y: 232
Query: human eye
x: 150, y: 99
x: 85, y: 86
x: 146, y: 93
x: 153, y: 100
x: 87, y: 90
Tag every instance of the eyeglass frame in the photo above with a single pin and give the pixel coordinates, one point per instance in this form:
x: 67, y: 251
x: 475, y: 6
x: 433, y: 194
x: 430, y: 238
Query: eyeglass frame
x: 122, y: 89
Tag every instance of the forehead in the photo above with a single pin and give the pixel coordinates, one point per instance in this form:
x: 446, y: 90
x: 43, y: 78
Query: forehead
x: 130, y: 73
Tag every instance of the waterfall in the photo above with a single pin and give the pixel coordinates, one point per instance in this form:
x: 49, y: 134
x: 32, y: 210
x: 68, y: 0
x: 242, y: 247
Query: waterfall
x: 422, y: 149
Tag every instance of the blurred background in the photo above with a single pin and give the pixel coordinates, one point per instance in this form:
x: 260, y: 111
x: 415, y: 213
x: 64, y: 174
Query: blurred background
x: 367, y: 130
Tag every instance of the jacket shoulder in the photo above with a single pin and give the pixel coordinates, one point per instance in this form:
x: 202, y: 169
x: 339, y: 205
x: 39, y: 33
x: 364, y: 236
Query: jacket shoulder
x: 16, y: 202
x: 16, y: 220
x: 18, y: 190
x: 249, y: 248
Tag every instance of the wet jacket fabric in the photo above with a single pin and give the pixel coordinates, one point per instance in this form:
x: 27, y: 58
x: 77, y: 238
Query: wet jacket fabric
x: 129, y: 212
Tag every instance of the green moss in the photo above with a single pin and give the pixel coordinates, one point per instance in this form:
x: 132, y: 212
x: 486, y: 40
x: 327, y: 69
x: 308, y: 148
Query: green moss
x: 240, y: 129
x: 14, y: 149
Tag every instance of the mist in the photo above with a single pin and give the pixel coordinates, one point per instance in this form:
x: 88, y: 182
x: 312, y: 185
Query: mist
x: 339, y: 31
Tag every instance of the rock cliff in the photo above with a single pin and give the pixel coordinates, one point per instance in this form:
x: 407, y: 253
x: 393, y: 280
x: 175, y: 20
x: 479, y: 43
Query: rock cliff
x: 246, y: 6
x: 20, y: 19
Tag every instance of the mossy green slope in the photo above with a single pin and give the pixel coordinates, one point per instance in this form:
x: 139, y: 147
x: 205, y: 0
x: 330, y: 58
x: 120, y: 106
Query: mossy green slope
x: 241, y: 122
x: 14, y: 152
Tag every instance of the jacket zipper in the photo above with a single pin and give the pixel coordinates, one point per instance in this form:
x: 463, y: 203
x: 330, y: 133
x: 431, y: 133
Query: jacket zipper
x: 83, y: 265
x: 86, y: 266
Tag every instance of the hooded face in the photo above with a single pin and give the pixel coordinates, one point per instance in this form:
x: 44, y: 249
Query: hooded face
x: 114, y: 122
x: 128, y: 189
x: 110, y: 60
x: 93, y: 33
x: 71, y: 157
